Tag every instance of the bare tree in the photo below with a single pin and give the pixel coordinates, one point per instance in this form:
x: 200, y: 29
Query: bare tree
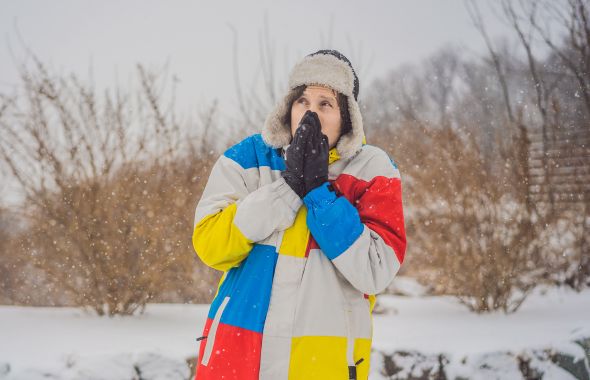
x: 478, y: 227
x: 571, y: 49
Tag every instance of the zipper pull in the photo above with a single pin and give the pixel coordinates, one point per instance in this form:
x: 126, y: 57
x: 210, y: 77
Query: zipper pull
x: 352, y: 369
x: 201, y: 337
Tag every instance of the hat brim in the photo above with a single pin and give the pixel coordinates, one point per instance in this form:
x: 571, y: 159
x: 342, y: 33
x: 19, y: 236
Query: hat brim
x: 325, y: 70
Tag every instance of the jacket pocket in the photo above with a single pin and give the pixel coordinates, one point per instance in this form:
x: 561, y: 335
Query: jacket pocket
x: 213, y: 332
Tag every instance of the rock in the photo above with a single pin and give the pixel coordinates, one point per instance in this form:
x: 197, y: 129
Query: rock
x: 577, y: 366
x: 585, y: 344
x: 488, y: 366
x: 153, y: 366
x: 537, y: 364
x: 412, y: 365
x: 107, y: 367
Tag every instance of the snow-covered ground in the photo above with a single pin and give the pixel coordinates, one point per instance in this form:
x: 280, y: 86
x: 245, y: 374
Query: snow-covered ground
x: 48, y: 337
x: 442, y: 325
x: 71, y: 344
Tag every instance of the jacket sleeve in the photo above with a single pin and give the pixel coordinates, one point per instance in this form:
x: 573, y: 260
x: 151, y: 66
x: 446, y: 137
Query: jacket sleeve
x: 234, y: 213
x: 366, y: 242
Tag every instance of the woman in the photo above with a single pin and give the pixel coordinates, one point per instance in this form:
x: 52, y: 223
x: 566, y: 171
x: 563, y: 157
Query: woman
x: 306, y: 222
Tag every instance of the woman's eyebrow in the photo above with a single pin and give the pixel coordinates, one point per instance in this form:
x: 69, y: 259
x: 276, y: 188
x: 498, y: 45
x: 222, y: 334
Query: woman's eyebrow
x: 320, y: 96
x: 327, y: 97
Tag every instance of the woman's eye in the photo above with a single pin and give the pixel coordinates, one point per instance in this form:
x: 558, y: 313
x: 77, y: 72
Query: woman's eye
x: 327, y: 104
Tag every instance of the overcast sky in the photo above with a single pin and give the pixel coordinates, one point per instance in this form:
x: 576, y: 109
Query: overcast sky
x: 196, y: 38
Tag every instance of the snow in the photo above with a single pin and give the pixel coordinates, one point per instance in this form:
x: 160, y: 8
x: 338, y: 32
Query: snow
x: 406, y: 286
x: 442, y: 325
x: 49, y: 335
x: 72, y: 344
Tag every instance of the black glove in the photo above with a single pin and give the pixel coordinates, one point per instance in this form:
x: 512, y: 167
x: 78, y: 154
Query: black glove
x: 295, y: 159
x: 315, y: 168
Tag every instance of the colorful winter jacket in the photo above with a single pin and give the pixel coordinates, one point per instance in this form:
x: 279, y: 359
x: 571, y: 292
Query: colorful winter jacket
x: 300, y: 277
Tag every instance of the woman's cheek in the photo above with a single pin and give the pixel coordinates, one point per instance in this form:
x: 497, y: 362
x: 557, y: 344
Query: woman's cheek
x: 295, y: 118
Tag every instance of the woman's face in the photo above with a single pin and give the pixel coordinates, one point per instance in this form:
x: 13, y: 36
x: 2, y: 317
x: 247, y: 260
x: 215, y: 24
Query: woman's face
x: 321, y: 100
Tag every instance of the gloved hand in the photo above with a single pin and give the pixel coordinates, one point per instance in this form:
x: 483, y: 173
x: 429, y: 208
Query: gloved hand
x: 295, y: 159
x: 315, y: 168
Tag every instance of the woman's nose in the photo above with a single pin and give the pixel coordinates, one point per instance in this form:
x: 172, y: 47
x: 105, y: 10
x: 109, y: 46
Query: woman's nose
x: 314, y: 108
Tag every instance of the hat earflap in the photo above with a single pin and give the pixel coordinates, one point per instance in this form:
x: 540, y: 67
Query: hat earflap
x: 275, y: 133
x: 351, y: 142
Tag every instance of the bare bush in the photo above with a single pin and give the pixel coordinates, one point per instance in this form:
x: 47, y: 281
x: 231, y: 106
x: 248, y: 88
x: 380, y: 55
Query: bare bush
x: 8, y: 267
x: 108, y: 190
x: 472, y: 237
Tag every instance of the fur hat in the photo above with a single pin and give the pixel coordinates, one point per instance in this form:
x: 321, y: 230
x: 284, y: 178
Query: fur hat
x: 328, y: 68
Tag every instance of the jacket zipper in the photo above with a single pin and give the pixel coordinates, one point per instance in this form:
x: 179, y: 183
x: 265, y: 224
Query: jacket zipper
x: 349, y: 346
x: 212, y: 332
